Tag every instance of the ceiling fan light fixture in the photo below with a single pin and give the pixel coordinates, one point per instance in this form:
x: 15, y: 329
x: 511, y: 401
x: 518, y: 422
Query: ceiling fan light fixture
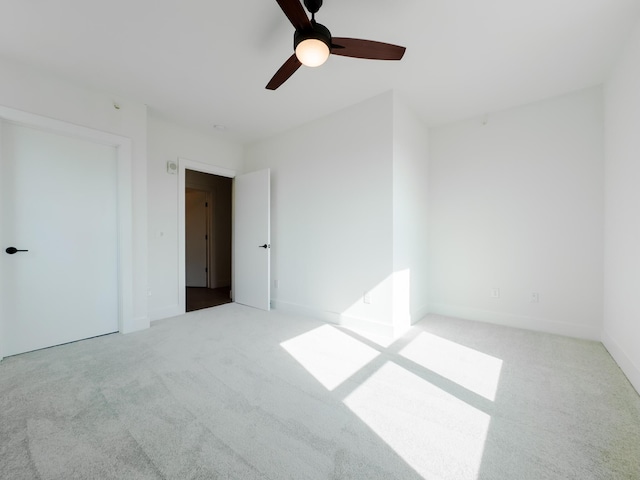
x: 312, y: 46
x: 312, y: 52
x: 313, y: 43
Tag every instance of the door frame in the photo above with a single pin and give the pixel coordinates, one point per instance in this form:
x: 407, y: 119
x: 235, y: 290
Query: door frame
x: 124, y: 197
x: 183, y: 165
x: 209, y: 232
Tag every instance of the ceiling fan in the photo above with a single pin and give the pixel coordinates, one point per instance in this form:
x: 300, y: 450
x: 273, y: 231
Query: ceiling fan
x: 313, y: 43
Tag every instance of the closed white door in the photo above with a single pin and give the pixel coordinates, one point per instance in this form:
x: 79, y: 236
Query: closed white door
x: 58, y: 201
x: 196, y: 237
x: 251, y: 239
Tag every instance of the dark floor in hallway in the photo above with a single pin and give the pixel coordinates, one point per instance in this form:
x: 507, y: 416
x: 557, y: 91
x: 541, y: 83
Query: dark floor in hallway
x: 202, y: 297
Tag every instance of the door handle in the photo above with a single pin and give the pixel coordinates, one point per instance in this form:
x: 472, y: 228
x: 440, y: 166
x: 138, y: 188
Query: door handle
x: 12, y: 250
x: 265, y: 246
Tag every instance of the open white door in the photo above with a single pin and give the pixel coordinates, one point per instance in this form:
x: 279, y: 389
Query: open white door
x: 251, y: 239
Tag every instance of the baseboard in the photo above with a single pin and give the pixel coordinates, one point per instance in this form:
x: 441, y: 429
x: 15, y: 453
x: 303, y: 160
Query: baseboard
x: 631, y: 370
x: 166, y: 312
x: 293, y: 308
x: 138, y: 324
x: 389, y: 330
x: 419, y: 314
x: 359, y: 324
x: 517, y: 321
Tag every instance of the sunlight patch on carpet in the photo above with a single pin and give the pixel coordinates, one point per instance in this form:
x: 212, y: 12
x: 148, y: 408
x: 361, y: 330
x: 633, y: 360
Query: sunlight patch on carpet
x: 469, y: 368
x: 330, y: 355
x: 437, y: 434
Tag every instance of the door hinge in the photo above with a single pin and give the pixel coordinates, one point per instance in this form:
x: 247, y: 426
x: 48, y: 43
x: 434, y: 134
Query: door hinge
x: 206, y: 270
x: 206, y: 204
x: 206, y: 237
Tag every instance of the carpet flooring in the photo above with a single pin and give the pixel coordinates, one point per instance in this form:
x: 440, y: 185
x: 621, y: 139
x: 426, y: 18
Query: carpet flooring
x: 237, y: 393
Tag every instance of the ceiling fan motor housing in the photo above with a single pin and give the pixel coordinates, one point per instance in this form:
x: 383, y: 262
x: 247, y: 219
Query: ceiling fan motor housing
x: 318, y: 32
x: 313, y: 5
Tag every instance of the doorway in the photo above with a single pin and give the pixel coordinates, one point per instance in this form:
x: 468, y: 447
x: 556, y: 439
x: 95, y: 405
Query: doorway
x: 250, y: 273
x: 208, y: 225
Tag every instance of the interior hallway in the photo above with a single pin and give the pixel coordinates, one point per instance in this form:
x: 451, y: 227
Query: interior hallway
x: 202, y: 297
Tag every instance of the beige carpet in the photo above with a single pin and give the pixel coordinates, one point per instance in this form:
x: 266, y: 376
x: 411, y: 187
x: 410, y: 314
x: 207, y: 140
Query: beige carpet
x: 236, y: 393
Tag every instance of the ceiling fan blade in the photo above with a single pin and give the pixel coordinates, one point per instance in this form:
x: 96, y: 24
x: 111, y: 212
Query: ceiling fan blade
x: 286, y: 70
x: 294, y: 11
x: 354, y: 47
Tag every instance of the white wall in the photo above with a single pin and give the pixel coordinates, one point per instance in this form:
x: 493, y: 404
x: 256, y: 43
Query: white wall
x: 621, y: 334
x: 410, y: 199
x: 43, y: 94
x: 516, y: 203
x: 168, y: 141
x: 331, y: 230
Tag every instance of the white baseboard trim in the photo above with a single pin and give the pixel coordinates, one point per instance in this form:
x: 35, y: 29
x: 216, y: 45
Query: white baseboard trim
x: 586, y: 332
x: 167, y: 312
x: 358, y: 324
x: 419, y: 314
x: 295, y: 309
x: 138, y: 324
x: 631, y: 370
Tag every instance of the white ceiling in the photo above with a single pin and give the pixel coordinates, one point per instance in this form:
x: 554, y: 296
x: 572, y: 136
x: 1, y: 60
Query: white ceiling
x: 206, y: 62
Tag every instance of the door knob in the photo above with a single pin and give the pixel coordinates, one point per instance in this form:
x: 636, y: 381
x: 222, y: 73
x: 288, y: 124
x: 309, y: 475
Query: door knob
x: 264, y: 246
x: 12, y: 250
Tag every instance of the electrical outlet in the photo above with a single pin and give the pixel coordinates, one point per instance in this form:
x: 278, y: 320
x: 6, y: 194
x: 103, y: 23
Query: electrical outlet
x: 495, y: 292
x: 535, y: 297
x: 366, y: 298
x: 276, y: 284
